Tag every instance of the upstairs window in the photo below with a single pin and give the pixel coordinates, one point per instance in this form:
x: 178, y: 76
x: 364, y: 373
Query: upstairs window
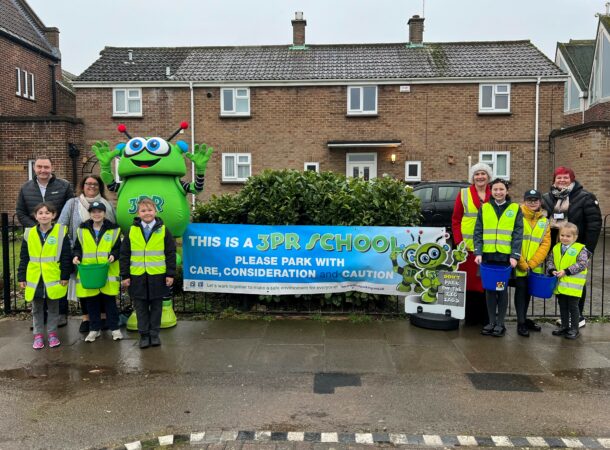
x: 494, y: 98
x: 235, y: 101
x: 24, y: 84
x: 127, y: 102
x: 236, y: 167
x: 361, y: 100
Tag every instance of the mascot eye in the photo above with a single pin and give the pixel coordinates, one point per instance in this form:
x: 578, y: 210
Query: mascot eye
x: 409, y: 253
x: 424, y: 259
x: 134, y: 146
x: 434, y: 253
x: 157, y: 146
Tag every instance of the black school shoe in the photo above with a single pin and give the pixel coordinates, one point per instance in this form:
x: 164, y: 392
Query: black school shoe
x: 155, y: 341
x: 572, y: 334
x: 532, y: 326
x: 144, y: 342
x: 84, y: 326
x: 522, y: 330
x: 560, y: 331
x: 499, y: 331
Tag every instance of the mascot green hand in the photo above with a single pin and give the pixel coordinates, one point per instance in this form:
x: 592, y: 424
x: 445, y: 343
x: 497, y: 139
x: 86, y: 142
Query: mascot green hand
x: 105, y: 156
x: 152, y: 167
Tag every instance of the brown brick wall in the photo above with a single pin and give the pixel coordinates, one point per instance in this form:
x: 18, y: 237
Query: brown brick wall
x: 587, y: 152
x: 569, y: 120
x: 15, y: 56
x: 600, y: 111
x: 22, y: 140
x: 66, y: 102
x: 291, y: 125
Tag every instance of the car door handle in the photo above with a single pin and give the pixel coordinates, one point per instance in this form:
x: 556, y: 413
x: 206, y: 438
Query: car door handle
x: 428, y: 211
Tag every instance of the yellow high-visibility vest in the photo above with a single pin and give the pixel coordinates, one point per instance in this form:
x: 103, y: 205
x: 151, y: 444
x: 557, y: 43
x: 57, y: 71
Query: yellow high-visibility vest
x: 532, y: 238
x: 498, y: 233
x: 147, y: 257
x: 44, y: 262
x: 572, y: 285
x: 98, y: 254
x: 469, y: 219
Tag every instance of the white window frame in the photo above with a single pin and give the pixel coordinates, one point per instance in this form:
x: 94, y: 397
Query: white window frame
x: 25, y: 84
x: 495, y: 92
x: 234, y: 112
x: 31, y: 172
x: 126, y: 112
x: 414, y: 178
x: 312, y: 164
x: 32, y: 93
x: 596, y: 94
x: 493, y: 163
x: 360, y: 111
x: 18, y: 73
x: 236, y: 165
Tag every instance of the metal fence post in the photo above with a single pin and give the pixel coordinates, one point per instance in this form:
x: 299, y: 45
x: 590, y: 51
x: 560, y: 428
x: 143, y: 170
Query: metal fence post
x: 6, y: 268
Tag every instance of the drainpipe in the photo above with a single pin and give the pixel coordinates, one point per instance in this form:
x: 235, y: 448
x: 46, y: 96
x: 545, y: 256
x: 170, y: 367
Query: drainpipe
x: 536, y: 134
x: 192, y: 139
x: 53, y: 89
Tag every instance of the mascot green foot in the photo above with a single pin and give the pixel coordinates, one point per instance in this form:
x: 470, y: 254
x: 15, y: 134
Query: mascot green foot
x: 168, y: 317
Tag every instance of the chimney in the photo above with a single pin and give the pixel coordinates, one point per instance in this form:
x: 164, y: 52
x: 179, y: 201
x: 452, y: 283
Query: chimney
x: 416, y: 30
x: 52, y: 35
x: 130, y: 55
x: 298, y: 29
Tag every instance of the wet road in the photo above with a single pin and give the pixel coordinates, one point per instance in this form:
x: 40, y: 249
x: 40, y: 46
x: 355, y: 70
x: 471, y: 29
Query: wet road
x: 290, y: 375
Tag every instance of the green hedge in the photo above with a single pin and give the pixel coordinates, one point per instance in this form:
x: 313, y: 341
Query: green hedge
x: 290, y: 197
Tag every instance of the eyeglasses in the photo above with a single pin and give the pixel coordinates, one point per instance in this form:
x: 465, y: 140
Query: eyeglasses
x: 92, y: 184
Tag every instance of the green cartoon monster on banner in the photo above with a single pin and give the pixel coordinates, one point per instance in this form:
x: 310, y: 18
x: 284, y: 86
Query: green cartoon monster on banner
x: 152, y: 167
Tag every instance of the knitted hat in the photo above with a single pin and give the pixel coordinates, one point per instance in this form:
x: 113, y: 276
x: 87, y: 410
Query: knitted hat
x: 478, y: 167
x: 561, y: 170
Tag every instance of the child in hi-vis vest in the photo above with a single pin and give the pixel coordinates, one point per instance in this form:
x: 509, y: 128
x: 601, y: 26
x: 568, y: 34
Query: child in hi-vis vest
x: 536, y: 246
x: 498, y: 235
x: 148, y: 267
x: 568, y: 262
x: 44, y: 271
x: 98, y: 241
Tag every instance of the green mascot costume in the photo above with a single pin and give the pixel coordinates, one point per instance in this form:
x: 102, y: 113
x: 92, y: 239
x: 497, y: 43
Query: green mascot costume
x: 152, y: 167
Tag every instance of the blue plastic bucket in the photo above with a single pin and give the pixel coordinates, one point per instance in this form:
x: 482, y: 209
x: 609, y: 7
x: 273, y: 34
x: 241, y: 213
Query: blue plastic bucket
x: 495, y: 278
x: 540, y: 285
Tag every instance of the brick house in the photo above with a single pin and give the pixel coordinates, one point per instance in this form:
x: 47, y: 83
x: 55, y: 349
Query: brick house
x: 413, y: 110
x: 37, y: 103
x: 582, y: 142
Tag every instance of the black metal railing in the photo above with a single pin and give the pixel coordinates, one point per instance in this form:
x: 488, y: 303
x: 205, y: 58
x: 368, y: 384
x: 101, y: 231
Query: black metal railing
x: 211, y: 303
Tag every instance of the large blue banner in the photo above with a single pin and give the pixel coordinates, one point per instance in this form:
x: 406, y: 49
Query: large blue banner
x: 278, y: 260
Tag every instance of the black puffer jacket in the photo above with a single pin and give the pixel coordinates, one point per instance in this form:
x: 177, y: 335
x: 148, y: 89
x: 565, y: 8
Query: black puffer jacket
x: 583, y: 212
x: 148, y: 286
x: 58, y: 192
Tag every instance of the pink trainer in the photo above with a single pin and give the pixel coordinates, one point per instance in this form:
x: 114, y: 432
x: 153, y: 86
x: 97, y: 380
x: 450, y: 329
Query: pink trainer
x: 38, y: 342
x: 54, y: 340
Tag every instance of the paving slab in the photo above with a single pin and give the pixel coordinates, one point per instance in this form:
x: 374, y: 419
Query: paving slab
x: 358, y: 356
x: 307, y: 332
x: 415, y: 358
x: 287, y: 358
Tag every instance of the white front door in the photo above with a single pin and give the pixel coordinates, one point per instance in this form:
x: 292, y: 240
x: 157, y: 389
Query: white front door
x: 363, y: 165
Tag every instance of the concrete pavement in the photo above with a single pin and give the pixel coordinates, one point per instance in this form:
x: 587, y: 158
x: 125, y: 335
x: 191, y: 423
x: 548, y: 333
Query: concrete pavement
x: 303, y: 376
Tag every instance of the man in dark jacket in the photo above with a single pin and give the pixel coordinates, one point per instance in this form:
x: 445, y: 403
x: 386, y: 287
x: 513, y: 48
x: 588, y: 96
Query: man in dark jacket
x: 568, y: 201
x: 45, y: 187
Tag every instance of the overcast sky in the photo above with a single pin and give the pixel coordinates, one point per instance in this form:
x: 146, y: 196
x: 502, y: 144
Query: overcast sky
x: 144, y: 23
